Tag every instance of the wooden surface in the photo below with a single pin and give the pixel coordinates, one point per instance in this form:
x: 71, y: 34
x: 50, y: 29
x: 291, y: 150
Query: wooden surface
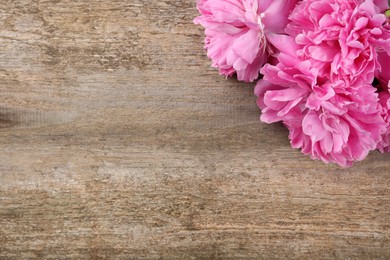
x: 119, y: 141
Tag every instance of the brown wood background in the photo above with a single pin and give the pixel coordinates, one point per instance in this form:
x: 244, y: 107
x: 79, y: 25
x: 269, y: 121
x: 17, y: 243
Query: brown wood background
x: 119, y: 141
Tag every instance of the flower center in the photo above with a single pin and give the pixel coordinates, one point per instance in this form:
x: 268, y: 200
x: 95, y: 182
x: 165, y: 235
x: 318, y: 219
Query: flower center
x: 263, y: 39
x: 259, y: 20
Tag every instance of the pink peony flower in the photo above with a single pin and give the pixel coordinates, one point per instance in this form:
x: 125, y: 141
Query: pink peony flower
x: 237, y: 31
x: 383, y: 75
x: 384, y: 101
x: 341, y: 38
x: 383, y: 72
x: 328, y: 118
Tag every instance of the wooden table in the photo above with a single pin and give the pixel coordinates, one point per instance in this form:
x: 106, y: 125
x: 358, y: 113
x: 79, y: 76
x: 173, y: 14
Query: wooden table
x: 119, y: 141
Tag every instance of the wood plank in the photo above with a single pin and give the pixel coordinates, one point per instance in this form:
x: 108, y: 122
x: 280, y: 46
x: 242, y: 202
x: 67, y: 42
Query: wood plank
x: 118, y: 140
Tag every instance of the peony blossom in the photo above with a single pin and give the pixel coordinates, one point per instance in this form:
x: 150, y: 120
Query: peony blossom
x: 383, y: 75
x: 341, y: 38
x: 384, y: 101
x: 383, y: 72
x: 237, y: 31
x: 328, y: 118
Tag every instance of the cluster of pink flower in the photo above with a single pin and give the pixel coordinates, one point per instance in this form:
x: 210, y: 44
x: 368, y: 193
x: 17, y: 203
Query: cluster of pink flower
x: 322, y: 65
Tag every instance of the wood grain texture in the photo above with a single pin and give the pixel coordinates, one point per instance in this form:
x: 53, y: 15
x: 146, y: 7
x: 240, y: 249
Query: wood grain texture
x: 119, y: 141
